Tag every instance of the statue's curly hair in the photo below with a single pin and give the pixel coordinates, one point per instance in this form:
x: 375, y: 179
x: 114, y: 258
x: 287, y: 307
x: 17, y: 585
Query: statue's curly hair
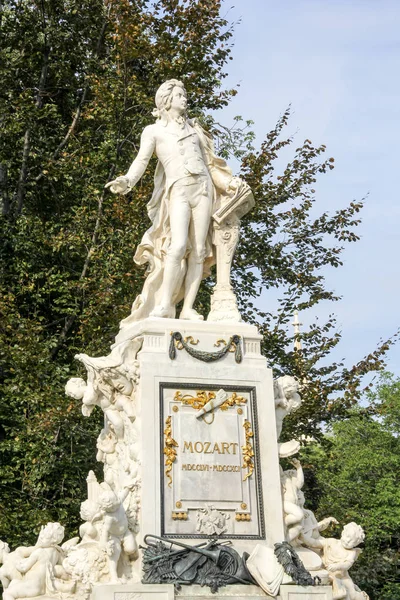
x: 163, y: 97
x: 355, y: 531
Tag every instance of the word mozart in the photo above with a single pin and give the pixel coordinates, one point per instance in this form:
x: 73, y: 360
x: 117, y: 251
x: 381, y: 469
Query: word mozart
x: 220, y: 468
x: 210, y: 448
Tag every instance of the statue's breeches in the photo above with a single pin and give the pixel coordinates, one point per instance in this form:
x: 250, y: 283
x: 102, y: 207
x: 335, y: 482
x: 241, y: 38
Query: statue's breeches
x: 190, y: 207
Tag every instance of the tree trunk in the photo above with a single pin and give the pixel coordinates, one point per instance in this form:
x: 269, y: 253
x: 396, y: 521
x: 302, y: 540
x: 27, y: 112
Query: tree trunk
x: 22, y: 180
x: 4, y: 197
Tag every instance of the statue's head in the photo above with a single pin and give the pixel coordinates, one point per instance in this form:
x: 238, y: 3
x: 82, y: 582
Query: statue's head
x: 106, y: 442
x: 75, y: 388
x: 51, y: 534
x: 289, y: 384
x: 290, y: 388
x: 352, y: 535
x: 118, y: 381
x: 108, y: 501
x: 170, y: 93
x: 88, y: 510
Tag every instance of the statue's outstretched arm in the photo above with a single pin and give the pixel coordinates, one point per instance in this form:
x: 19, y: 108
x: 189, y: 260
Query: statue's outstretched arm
x: 124, y: 184
x: 315, y: 542
x: 299, y: 473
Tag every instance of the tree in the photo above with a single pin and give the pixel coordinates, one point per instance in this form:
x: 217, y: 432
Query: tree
x: 78, y: 82
x: 78, y: 85
x: 355, y: 476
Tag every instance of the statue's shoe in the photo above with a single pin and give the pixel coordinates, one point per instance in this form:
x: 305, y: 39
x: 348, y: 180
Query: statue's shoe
x: 164, y: 312
x: 191, y: 315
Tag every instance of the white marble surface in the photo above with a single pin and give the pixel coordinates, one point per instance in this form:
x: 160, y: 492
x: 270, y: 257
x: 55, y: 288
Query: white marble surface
x: 157, y: 334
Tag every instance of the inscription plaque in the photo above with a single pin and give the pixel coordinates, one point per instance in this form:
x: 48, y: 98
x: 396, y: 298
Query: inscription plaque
x: 211, y: 476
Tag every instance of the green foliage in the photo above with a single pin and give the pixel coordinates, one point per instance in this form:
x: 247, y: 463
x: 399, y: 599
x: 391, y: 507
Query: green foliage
x: 78, y: 82
x: 355, y: 476
x: 78, y: 85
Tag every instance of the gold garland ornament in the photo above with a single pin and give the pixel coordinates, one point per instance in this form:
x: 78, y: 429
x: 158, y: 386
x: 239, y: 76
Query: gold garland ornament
x: 248, y: 452
x: 169, y: 449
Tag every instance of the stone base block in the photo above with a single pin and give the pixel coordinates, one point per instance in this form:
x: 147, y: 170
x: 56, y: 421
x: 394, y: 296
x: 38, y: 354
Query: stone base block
x: 298, y: 592
x: 133, y: 591
x: 234, y: 592
x: 139, y: 591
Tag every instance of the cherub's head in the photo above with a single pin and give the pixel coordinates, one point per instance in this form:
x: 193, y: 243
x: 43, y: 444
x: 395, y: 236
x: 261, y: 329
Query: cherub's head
x: 106, y: 442
x: 88, y: 510
x: 75, y: 388
x: 108, y: 501
x: 290, y: 388
x: 4, y: 550
x: 118, y: 381
x: 352, y: 535
x: 170, y: 94
x: 51, y: 534
x: 290, y: 385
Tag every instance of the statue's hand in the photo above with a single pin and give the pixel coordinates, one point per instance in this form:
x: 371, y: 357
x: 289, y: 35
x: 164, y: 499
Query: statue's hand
x: 233, y: 185
x: 87, y: 410
x: 120, y: 185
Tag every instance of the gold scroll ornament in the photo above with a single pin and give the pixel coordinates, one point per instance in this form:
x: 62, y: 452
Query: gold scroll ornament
x: 202, y: 397
x: 169, y: 449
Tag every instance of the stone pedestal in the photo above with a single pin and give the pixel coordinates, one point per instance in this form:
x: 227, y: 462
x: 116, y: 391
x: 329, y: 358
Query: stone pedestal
x: 167, y: 592
x: 298, y: 592
x: 135, y: 591
x: 234, y: 592
x: 140, y: 591
x: 214, y: 475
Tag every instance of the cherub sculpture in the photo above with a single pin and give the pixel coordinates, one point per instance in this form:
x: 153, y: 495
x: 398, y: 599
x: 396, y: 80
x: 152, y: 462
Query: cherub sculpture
x: 338, y: 556
x: 78, y: 389
x: 310, y: 526
x: 115, y: 534
x: 107, y: 454
x: 25, y: 572
x: 90, y: 529
x: 211, y: 521
x: 287, y: 400
x: 292, y: 481
x: 8, y: 560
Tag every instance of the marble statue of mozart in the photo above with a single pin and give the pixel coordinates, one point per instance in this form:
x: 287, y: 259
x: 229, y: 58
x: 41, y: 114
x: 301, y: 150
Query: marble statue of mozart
x: 190, y: 185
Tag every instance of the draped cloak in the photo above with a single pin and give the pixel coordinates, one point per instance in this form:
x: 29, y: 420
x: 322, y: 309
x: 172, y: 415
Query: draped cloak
x: 153, y: 248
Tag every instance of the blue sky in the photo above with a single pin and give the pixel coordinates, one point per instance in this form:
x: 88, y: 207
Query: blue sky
x: 337, y: 63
